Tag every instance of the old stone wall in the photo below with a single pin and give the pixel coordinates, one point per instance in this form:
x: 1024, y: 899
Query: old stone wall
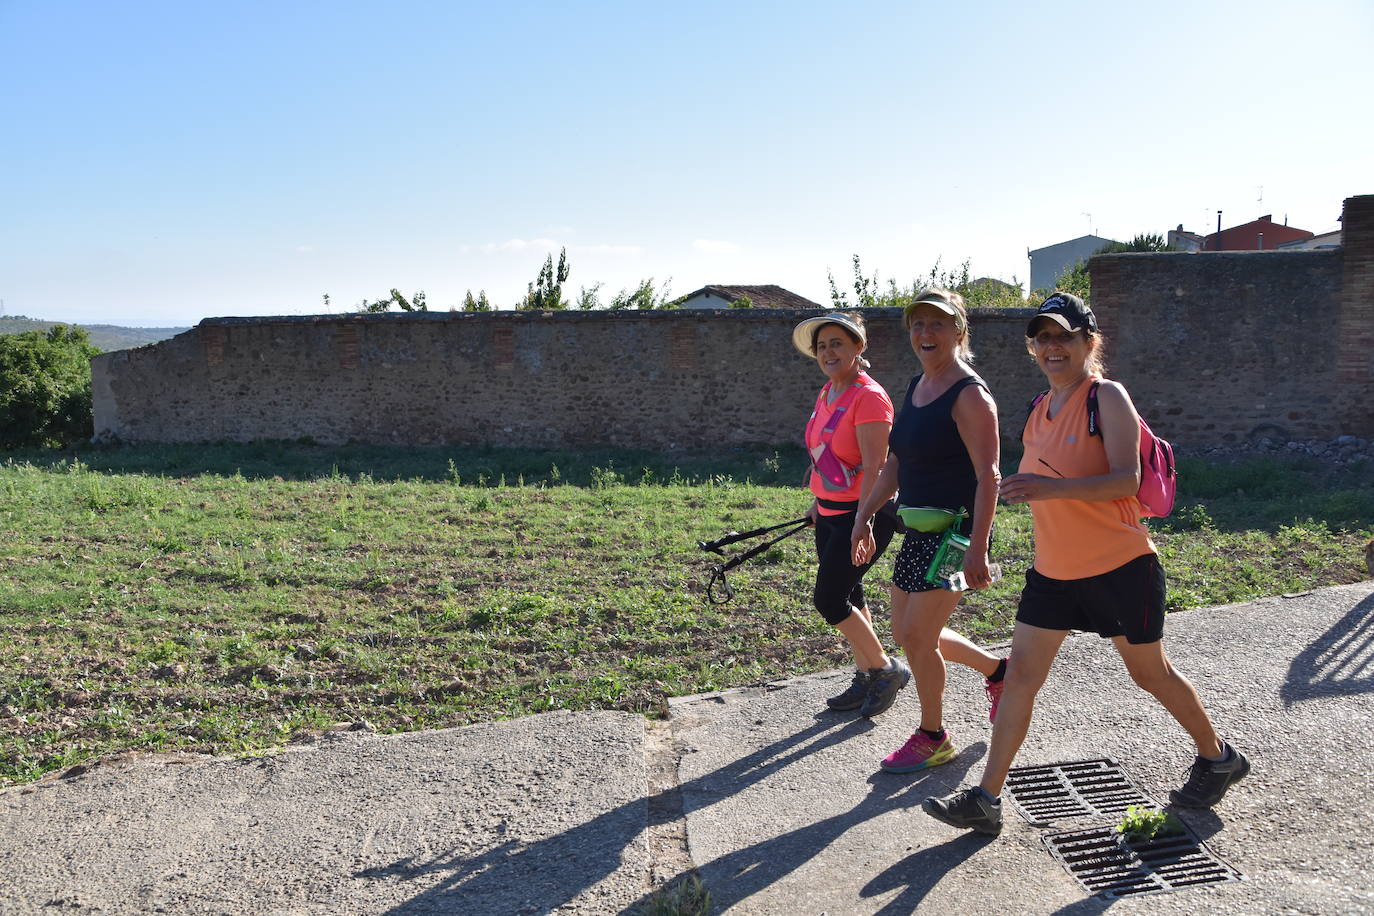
x: 640, y: 379
x: 1215, y: 347
x: 1221, y: 346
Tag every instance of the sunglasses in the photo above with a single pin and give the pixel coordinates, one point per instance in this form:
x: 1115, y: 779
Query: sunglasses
x: 1045, y: 338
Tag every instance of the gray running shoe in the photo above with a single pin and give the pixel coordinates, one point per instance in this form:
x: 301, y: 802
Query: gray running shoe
x: 971, y: 809
x: 1208, y: 780
x: 853, y: 696
x: 883, y: 686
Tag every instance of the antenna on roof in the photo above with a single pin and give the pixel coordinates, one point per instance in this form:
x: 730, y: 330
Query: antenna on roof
x: 1261, y: 196
x: 1090, y: 222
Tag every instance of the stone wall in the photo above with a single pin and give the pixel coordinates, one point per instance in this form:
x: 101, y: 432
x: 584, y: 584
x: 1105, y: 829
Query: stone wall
x: 1225, y: 345
x: 1215, y: 347
x: 637, y: 379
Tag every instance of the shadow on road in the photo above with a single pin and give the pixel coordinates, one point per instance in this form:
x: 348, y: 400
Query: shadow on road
x: 739, y: 875
x: 1338, y: 663
x: 541, y: 876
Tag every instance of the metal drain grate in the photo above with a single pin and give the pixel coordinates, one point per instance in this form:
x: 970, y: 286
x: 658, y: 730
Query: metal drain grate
x: 1103, y: 863
x: 1046, y: 795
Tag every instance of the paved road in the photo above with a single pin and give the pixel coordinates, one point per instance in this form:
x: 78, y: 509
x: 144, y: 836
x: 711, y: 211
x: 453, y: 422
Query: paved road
x: 780, y: 808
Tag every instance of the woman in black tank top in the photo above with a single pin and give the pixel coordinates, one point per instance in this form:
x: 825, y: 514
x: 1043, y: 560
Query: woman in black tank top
x: 944, y: 453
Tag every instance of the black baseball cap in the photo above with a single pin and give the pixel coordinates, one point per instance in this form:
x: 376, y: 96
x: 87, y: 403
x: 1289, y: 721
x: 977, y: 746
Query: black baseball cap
x: 1067, y: 310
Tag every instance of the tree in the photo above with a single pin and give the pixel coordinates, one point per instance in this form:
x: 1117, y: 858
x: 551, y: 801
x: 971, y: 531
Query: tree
x: 480, y: 304
x: 415, y: 303
x: 589, y: 299
x: 643, y: 297
x: 1151, y: 241
x: 45, y: 387
x: 869, y: 292
x: 743, y: 302
x: 546, y: 292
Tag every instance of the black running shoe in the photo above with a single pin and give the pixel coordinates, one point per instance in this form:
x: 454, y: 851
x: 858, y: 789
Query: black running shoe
x: 853, y: 697
x: 1208, y: 780
x: 883, y: 686
x: 970, y: 809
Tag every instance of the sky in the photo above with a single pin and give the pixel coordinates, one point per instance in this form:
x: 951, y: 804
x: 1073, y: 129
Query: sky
x: 164, y: 162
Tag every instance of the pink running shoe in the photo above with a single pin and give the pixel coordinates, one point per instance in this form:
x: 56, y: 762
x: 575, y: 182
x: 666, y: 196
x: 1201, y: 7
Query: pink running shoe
x: 994, y: 689
x: 919, y: 753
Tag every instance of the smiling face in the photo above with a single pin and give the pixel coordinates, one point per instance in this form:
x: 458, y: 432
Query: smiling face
x: 1062, y: 355
x: 837, y: 352
x: 935, y: 335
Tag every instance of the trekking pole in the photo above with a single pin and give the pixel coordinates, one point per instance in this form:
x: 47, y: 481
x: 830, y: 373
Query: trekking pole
x: 718, y: 579
x: 733, y: 536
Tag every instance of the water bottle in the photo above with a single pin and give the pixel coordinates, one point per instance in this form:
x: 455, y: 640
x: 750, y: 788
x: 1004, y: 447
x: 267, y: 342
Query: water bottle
x: 957, y: 583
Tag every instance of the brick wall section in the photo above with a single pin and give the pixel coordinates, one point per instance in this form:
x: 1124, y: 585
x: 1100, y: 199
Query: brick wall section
x: 1221, y: 346
x: 690, y: 379
x: 1214, y: 347
x: 1355, y: 359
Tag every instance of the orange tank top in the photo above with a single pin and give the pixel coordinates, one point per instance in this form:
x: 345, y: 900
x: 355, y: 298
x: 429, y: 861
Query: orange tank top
x: 1074, y: 538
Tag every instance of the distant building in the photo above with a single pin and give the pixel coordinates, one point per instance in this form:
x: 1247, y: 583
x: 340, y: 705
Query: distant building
x: 1182, y: 240
x: 1262, y: 234
x: 762, y: 297
x: 1048, y: 264
x: 1330, y: 239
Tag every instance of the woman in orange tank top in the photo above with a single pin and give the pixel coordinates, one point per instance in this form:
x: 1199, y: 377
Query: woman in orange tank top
x: 1095, y: 567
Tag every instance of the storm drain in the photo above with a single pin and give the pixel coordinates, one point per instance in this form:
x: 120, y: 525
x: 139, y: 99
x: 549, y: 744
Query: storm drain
x: 1105, y: 863
x: 1046, y: 795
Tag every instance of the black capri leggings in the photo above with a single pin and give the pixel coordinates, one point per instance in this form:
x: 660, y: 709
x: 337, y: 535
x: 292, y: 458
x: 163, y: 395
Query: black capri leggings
x: 839, y: 583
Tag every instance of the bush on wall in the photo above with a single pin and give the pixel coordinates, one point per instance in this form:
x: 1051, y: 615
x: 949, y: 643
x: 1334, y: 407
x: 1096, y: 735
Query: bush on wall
x: 45, y: 387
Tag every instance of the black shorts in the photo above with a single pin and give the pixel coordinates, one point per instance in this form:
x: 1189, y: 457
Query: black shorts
x: 1128, y: 601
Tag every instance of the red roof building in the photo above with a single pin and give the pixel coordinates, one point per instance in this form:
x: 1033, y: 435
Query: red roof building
x: 1262, y: 234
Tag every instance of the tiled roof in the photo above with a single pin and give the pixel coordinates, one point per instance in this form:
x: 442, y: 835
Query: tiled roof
x: 763, y: 297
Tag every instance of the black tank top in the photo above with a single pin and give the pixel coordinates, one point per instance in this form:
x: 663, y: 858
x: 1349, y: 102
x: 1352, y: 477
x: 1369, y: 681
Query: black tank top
x: 933, y: 466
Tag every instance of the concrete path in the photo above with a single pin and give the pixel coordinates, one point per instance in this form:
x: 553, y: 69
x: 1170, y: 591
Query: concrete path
x: 780, y: 808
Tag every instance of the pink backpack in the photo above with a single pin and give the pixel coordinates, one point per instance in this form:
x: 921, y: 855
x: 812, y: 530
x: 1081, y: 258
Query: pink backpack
x: 1158, y: 475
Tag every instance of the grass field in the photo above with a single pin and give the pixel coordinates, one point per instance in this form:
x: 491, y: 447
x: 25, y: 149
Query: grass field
x: 222, y: 598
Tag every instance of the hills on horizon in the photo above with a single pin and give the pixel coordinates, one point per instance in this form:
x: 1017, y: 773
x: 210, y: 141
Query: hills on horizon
x: 105, y: 336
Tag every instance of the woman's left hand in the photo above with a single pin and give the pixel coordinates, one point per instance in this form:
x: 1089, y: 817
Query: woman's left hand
x: 1022, y: 488
x: 976, y: 572
x: 862, y: 544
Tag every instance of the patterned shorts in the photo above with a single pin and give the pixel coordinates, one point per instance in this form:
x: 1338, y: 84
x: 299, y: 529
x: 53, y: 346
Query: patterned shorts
x: 918, y: 549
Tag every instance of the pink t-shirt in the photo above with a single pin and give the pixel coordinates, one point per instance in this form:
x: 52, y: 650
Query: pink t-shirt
x: 870, y: 405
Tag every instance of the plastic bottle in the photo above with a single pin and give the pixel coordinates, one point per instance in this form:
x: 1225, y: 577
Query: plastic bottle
x: 957, y: 583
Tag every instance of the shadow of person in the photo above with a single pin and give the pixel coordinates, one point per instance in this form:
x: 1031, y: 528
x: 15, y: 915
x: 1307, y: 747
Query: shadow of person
x: 1340, y: 662
x: 1088, y: 906
x: 919, y: 872
x: 541, y: 876
x: 738, y: 875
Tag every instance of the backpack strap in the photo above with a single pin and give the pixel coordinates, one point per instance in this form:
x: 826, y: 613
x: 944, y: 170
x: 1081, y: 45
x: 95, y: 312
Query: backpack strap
x: 1094, y: 418
x: 842, y: 406
x: 1030, y: 409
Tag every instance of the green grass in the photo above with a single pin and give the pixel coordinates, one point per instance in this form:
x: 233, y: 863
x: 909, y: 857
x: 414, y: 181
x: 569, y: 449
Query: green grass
x: 223, y: 598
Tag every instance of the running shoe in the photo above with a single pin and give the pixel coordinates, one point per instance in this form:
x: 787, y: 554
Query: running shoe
x: 972, y: 809
x: 883, y: 686
x: 854, y: 694
x: 994, y: 691
x: 1208, y: 780
x: 919, y: 753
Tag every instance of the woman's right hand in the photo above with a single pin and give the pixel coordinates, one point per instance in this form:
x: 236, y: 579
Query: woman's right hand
x: 813, y: 512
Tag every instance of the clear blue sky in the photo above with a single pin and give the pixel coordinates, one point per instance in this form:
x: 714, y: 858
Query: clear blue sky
x: 162, y: 162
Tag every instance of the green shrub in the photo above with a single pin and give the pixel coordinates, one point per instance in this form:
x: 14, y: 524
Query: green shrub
x: 45, y: 387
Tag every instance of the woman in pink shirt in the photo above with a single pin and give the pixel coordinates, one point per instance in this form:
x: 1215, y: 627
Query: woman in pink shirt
x: 846, y: 436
